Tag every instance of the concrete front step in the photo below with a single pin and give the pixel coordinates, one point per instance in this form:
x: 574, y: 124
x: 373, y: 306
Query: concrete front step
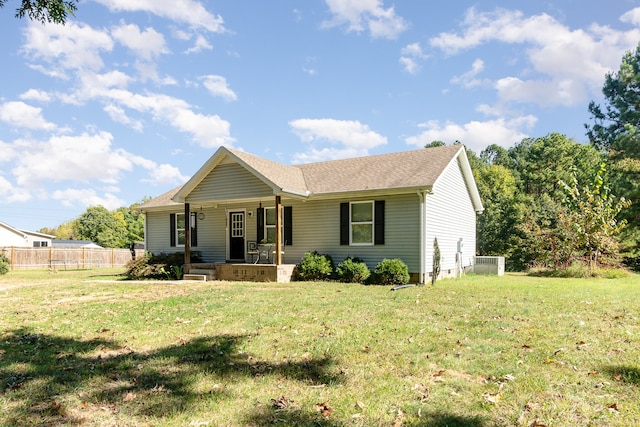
x: 202, y: 277
x: 209, y: 274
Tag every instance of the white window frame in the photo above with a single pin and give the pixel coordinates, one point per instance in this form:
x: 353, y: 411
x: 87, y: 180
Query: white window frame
x: 266, y: 226
x: 371, y: 223
x: 178, y: 230
x: 184, y: 230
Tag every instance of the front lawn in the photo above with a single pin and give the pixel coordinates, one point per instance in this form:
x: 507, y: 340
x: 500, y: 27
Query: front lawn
x: 85, y: 348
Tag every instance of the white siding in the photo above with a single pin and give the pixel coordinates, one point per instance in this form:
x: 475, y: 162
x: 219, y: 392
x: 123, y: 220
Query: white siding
x: 316, y: 226
x: 11, y: 238
x: 450, y: 217
x: 229, y: 181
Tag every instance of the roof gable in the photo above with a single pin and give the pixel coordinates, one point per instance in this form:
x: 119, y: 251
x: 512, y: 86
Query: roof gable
x: 281, y: 178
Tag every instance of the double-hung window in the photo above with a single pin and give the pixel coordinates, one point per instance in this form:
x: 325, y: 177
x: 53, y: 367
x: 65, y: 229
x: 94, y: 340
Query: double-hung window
x: 178, y: 236
x: 270, y: 224
x: 361, y: 223
x: 181, y: 230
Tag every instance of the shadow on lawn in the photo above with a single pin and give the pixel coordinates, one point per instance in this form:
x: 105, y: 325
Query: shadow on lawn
x: 297, y: 417
x: 39, y: 372
x: 627, y: 374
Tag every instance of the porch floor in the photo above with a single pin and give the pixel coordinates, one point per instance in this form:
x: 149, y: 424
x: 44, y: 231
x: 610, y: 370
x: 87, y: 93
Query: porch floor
x: 243, y: 272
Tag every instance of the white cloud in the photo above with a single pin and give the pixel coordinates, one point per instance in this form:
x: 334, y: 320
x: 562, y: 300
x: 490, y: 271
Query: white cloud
x: 147, y: 44
x: 476, y: 135
x: 565, y: 65
x: 201, y: 44
x: 71, y: 46
x: 189, y: 12
x: 410, y: 55
x: 218, y: 86
x: 87, y: 197
x: 632, y: 16
x: 83, y: 157
x: 165, y: 174
x: 118, y: 115
x: 36, y: 95
x: 22, y: 115
x: 347, y: 138
x: 468, y: 79
x: 360, y: 15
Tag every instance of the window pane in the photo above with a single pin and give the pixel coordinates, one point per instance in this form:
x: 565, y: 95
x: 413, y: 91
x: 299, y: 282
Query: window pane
x: 361, y: 212
x: 271, y: 235
x: 181, y: 237
x: 270, y: 216
x: 180, y: 221
x: 362, y: 233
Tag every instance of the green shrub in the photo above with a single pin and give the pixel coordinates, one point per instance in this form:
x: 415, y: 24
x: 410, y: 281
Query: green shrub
x: 314, y: 266
x: 391, y: 272
x: 161, y: 266
x: 4, y: 265
x: 353, y: 270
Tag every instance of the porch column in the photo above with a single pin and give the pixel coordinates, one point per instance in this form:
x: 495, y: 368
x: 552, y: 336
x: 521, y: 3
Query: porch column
x: 278, y: 257
x: 187, y: 237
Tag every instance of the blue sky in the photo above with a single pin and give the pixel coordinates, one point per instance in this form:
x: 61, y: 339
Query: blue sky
x: 130, y: 97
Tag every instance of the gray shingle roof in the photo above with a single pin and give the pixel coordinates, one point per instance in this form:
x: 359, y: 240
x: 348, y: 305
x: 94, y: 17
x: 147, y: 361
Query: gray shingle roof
x: 409, y: 169
x: 404, y: 170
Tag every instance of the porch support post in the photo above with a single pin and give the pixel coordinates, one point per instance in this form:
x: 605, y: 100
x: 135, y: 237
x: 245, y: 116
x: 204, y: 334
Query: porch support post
x: 278, y: 257
x: 187, y: 237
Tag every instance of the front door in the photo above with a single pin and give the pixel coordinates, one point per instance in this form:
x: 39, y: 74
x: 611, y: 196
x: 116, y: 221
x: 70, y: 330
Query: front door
x: 236, y: 236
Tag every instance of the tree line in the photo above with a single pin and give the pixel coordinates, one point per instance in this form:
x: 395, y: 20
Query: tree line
x: 551, y: 201
x: 110, y: 229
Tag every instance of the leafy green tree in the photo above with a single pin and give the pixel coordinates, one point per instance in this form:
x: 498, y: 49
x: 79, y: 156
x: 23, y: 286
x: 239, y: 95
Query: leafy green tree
x: 134, y: 220
x: 593, y: 212
x: 544, y: 235
x: 540, y: 163
x: 435, y: 144
x: 51, y: 11
x: 615, y: 130
x: 615, y: 126
x: 102, y: 227
x: 496, y: 225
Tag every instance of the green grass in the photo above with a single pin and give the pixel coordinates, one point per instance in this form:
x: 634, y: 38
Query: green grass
x: 84, y: 348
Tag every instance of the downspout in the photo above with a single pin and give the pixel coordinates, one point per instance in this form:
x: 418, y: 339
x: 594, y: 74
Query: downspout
x: 422, y: 195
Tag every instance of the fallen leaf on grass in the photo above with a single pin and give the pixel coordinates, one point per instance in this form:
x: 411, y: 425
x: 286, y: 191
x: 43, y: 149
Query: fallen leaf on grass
x: 535, y: 423
x: 423, y: 391
x: 324, y: 409
x: 613, y: 407
x: 281, y: 403
x: 492, y: 398
x: 361, y: 405
x: 129, y: 397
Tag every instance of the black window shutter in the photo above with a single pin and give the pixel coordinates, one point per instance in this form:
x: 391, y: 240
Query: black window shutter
x: 288, y: 226
x: 194, y: 230
x: 379, y: 222
x: 172, y: 229
x: 344, y: 223
x: 260, y: 224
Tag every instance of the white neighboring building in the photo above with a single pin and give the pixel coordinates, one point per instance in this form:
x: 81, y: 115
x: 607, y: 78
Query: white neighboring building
x: 10, y: 236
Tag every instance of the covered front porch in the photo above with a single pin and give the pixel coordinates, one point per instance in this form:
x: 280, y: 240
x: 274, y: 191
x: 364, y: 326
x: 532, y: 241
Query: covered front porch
x: 240, y: 272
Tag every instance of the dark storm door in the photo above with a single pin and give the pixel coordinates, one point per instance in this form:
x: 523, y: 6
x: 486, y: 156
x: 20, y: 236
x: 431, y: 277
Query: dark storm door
x: 236, y: 236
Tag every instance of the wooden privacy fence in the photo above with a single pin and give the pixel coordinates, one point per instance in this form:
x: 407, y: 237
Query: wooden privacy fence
x: 24, y: 258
